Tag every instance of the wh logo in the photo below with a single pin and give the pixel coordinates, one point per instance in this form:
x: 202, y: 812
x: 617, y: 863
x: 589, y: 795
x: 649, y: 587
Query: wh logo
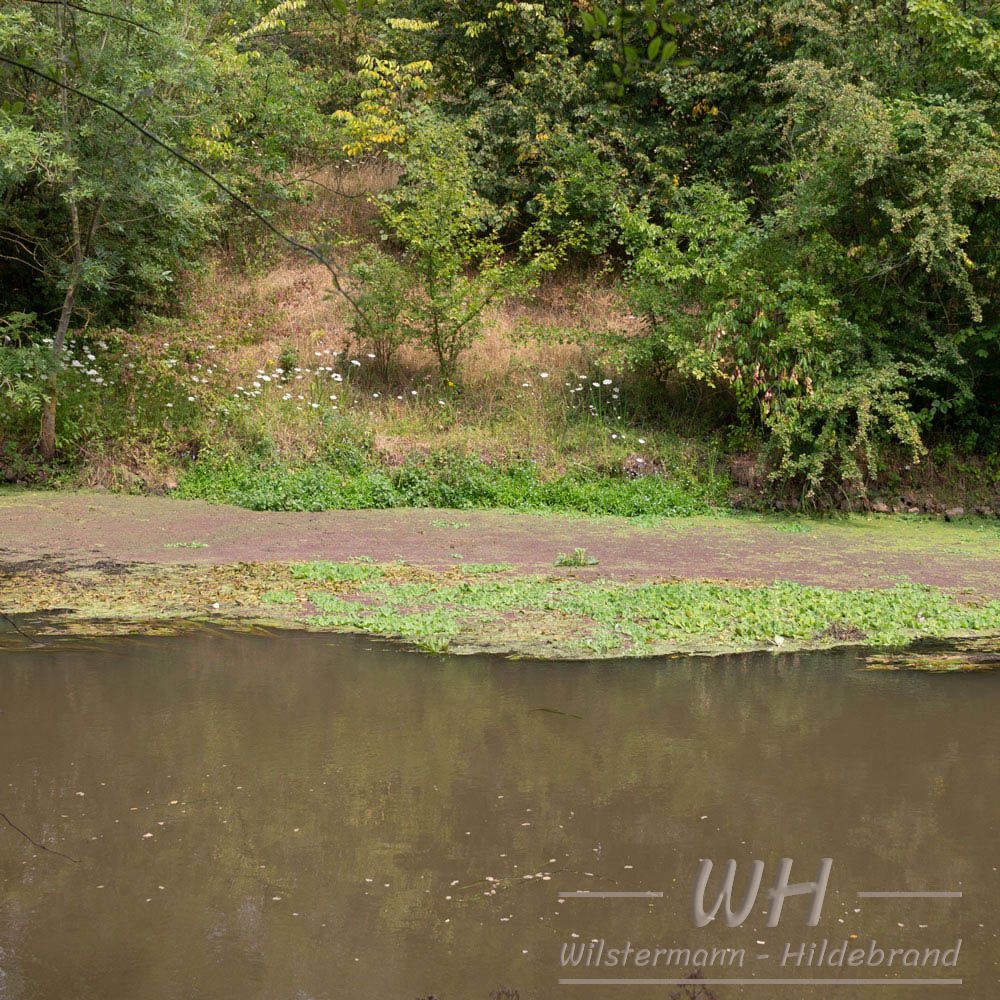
x: 777, y: 894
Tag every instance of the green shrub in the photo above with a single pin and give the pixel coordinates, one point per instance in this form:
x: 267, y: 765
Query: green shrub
x: 378, y: 319
x: 454, y: 266
x: 443, y: 481
x: 24, y: 370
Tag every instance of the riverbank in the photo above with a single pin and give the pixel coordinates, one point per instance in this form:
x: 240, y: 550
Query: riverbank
x: 257, y: 394
x: 472, y: 581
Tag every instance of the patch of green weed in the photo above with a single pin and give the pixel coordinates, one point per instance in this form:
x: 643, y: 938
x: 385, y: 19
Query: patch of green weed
x: 430, y: 630
x: 578, y: 557
x: 477, y: 569
x: 650, y: 617
x: 333, y: 572
x: 443, y: 481
x: 279, y: 597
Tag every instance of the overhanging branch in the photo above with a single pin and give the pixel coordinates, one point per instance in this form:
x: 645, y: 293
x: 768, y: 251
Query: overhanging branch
x: 237, y: 199
x: 69, y: 4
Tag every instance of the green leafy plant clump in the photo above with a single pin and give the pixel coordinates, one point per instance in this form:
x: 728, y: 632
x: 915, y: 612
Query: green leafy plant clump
x: 454, y: 482
x: 485, y: 569
x: 607, y: 617
x: 578, y: 557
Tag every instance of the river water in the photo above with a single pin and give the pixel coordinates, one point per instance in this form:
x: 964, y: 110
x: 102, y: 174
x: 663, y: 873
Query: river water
x: 298, y: 816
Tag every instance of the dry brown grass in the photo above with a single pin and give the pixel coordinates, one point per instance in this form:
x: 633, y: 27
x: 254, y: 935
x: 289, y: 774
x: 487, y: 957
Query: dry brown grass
x: 561, y: 326
x: 251, y: 314
x: 340, y: 197
x: 507, y: 411
x: 126, y: 466
x: 251, y: 317
x: 566, y: 324
x: 240, y: 321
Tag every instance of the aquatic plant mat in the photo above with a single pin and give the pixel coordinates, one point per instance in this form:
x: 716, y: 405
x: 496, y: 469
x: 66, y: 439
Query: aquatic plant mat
x: 487, y: 607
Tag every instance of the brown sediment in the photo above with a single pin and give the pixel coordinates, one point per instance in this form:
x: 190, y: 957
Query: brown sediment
x: 95, y: 530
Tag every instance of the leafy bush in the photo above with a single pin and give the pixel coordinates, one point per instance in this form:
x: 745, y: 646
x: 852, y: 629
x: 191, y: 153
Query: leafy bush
x: 109, y: 396
x: 378, y: 317
x: 24, y: 369
x: 733, y: 303
x: 861, y: 306
x: 837, y: 431
x: 578, y: 203
x: 454, y: 268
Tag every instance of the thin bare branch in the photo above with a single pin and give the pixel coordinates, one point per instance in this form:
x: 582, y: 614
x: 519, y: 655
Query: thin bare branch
x: 291, y: 241
x: 33, y: 842
x: 97, y: 13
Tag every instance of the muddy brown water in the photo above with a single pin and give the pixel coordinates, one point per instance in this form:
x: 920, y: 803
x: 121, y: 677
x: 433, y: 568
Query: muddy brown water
x: 300, y: 816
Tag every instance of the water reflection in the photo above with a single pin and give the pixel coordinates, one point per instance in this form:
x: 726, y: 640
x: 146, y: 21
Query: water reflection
x: 300, y: 816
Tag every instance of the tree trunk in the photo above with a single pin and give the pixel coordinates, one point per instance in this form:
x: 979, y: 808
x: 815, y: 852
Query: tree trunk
x: 47, y: 432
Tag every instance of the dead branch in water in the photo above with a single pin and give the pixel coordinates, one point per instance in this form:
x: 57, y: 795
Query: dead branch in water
x: 17, y: 628
x: 33, y: 842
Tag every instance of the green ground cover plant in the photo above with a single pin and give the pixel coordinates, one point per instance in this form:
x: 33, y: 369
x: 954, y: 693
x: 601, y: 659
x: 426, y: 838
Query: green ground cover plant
x: 608, y: 617
x: 448, y: 482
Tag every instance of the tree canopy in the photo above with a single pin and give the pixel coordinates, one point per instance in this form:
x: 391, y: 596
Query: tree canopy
x: 801, y: 196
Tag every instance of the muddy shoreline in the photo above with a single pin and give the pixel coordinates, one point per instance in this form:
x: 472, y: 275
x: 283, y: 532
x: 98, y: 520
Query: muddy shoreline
x: 111, y: 564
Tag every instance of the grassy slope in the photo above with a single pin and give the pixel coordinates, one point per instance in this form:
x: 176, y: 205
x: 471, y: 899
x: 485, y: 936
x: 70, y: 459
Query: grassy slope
x: 255, y: 392
x: 257, y: 401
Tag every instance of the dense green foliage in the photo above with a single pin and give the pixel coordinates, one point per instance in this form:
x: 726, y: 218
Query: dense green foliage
x: 445, y: 481
x: 854, y: 297
x: 801, y: 195
x: 102, y: 120
x: 451, y: 268
x: 88, y: 198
